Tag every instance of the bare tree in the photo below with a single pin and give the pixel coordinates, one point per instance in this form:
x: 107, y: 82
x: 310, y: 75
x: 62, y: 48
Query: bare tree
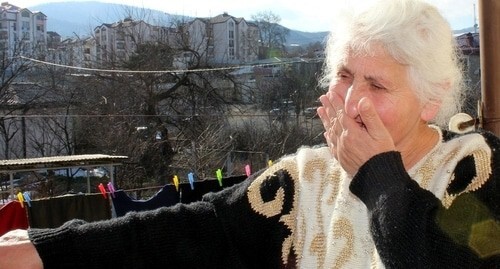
x: 12, y: 66
x: 272, y: 34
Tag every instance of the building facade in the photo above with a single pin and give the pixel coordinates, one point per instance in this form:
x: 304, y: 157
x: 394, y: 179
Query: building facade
x: 22, y: 31
x: 224, y: 39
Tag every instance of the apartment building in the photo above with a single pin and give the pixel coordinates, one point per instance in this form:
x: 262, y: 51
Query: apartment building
x: 224, y: 39
x: 117, y: 41
x: 22, y: 31
x: 220, y: 40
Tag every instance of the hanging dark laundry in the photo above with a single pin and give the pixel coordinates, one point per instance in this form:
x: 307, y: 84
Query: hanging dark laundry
x: 53, y: 212
x: 169, y: 196
x: 123, y: 203
x: 203, y: 187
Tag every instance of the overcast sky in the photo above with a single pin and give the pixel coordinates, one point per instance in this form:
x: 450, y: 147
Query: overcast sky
x: 303, y: 15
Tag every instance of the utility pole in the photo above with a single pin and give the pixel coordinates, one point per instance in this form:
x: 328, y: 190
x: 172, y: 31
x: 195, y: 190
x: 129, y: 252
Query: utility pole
x: 489, y: 32
x: 475, y: 19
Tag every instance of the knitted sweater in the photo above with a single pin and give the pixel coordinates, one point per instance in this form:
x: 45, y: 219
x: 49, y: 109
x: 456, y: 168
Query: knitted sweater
x: 305, y: 212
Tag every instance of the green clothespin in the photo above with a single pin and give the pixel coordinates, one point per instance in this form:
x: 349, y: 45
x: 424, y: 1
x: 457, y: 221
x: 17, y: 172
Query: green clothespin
x: 219, y: 176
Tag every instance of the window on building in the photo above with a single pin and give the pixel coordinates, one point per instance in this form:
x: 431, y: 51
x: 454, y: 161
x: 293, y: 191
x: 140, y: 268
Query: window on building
x: 231, y: 30
x: 120, y: 45
x: 25, y: 14
x: 26, y: 25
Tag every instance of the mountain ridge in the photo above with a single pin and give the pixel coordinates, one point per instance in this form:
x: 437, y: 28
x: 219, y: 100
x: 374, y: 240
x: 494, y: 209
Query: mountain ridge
x: 78, y: 19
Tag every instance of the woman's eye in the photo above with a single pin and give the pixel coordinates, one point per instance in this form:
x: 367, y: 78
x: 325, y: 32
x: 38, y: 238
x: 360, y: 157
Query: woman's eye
x: 343, y: 76
x: 378, y: 87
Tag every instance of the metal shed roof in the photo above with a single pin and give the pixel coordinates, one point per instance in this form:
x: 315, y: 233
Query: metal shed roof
x: 59, y: 162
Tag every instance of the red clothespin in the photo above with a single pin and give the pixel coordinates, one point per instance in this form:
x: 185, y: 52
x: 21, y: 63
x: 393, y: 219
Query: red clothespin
x: 102, y: 190
x: 111, y: 189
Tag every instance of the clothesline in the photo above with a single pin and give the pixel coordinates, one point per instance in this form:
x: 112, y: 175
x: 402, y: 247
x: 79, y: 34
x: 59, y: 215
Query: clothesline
x: 159, y: 186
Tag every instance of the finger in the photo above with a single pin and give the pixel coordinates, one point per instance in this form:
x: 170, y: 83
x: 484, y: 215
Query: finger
x: 326, y: 112
x: 336, y: 101
x: 332, y: 140
x: 323, y: 116
x: 337, y: 127
x: 332, y: 106
x: 371, y: 120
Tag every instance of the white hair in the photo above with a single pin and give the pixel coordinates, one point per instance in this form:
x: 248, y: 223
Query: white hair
x: 415, y: 34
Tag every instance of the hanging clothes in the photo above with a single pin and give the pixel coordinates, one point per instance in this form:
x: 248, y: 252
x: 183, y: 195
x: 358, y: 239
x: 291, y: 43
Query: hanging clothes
x: 123, y: 203
x: 203, y: 187
x: 169, y: 196
x: 13, y: 216
x: 55, y: 211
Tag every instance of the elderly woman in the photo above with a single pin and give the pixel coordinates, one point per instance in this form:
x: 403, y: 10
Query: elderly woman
x: 391, y: 189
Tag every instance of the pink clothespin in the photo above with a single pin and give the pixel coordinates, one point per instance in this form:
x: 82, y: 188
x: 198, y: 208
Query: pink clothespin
x: 102, y: 190
x: 111, y: 189
x: 248, y: 171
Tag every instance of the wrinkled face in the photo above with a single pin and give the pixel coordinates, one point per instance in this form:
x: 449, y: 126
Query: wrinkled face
x: 385, y: 82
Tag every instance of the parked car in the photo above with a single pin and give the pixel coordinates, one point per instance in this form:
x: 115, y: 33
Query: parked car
x: 281, y: 113
x: 310, y: 112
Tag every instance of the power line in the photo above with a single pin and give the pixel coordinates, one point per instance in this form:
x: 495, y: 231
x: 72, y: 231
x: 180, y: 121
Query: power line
x: 123, y: 115
x: 180, y: 71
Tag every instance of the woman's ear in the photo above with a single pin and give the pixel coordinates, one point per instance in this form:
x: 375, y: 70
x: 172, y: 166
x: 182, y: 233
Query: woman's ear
x: 430, y: 110
x: 432, y: 106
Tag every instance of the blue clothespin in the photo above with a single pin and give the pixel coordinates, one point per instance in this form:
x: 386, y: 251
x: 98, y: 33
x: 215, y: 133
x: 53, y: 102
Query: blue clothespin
x: 111, y: 189
x: 27, y: 198
x: 191, y: 180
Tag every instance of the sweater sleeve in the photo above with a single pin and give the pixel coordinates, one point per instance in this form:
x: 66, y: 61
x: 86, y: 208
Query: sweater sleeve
x: 222, y: 231
x: 407, y: 220
x: 181, y: 236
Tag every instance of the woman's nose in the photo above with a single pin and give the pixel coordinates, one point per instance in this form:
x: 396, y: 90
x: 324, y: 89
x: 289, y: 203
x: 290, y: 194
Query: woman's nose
x: 354, y: 94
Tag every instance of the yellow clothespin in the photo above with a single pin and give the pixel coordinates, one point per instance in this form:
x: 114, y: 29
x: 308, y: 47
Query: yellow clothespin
x: 176, y: 182
x: 20, y: 197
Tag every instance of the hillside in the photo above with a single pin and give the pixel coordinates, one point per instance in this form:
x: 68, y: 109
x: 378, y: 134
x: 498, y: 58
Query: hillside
x: 80, y: 18
x: 70, y: 18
